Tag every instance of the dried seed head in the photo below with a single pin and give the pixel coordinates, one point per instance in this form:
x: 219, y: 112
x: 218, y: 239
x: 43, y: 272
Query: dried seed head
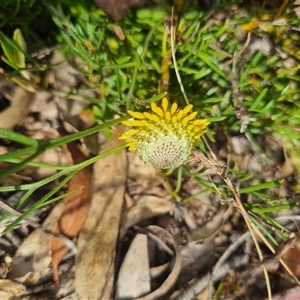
x: 165, y: 137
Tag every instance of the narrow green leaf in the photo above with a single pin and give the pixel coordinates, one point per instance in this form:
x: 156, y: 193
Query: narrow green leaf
x: 8, y: 41
x: 17, y: 154
x: 211, y: 64
x: 36, y: 164
x: 79, y: 135
x: 74, y: 170
x: 36, y: 185
x: 274, y: 224
x: 275, y: 208
x: 6, y: 47
x: 38, y: 203
x: 24, y: 83
x: 43, y: 145
x: 18, y: 137
x: 261, y: 186
x: 10, y: 63
x: 23, y: 163
x: 264, y: 231
x: 19, y: 57
x: 257, y: 102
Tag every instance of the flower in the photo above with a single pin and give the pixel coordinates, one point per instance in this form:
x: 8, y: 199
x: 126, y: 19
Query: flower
x: 165, y: 137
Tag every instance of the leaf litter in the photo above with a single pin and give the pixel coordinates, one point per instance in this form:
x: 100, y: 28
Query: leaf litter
x: 76, y: 207
x: 136, y: 241
x: 132, y: 202
x: 98, y: 238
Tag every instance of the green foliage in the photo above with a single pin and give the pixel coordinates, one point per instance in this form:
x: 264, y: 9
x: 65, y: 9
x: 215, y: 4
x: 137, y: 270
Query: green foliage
x: 34, y: 149
x: 121, y: 67
x: 128, y: 70
x: 13, y: 12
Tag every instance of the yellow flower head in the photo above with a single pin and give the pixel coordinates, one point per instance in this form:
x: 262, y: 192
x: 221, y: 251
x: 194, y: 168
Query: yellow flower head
x: 165, y: 137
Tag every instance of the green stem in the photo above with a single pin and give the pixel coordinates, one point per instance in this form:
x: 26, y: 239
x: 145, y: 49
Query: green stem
x: 44, y: 145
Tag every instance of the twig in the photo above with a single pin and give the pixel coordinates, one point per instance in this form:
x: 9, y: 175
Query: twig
x: 239, y: 108
x: 239, y: 205
x: 200, y: 284
x: 242, y: 239
x: 230, y: 61
x: 173, y: 32
x: 156, y: 239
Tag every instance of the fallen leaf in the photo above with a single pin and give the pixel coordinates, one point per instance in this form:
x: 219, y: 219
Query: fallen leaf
x: 97, y: 241
x: 20, y: 102
x: 291, y: 256
x: 172, y: 277
x: 32, y: 259
x: 75, y: 208
x: 134, y: 275
x: 10, y: 289
x: 146, y: 207
x: 117, y: 10
x: 211, y: 227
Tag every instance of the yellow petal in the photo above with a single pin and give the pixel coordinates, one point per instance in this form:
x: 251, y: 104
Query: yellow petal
x: 190, y: 127
x: 199, y: 132
x: 131, y: 123
x: 144, y: 131
x: 122, y: 137
x: 159, y: 112
x: 174, y: 108
x: 168, y: 116
x: 189, y: 117
x: 165, y: 104
x: 187, y: 109
x: 152, y: 117
x: 136, y: 114
x: 180, y: 114
x: 201, y: 122
x: 131, y: 148
x: 174, y: 119
x: 128, y: 134
x: 153, y: 107
x: 179, y: 125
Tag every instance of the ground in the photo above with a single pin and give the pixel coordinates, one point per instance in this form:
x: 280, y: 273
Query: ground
x: 84, y: 218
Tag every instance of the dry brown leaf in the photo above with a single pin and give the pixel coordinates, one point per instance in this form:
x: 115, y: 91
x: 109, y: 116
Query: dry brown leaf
x: 20, y: 102
x: 72, y: 296
x: 146, y: 207
x: 134, y: 275
x: 117, y: 10
x: 211, y: 227
x: 32, y: 259
x: 171, y: 279
x: 75, y: 209
x: 97, y: 240
x: 10, y: 289
x: 197, y: 257
x: 291, y: 256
